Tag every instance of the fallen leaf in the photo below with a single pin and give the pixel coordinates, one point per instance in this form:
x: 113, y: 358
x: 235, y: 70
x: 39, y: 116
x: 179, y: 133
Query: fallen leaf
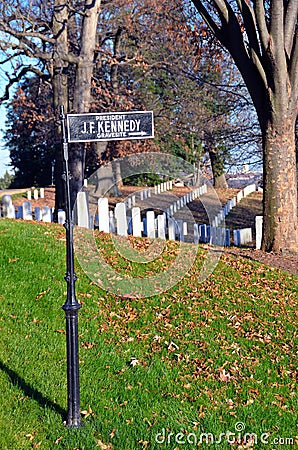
x: 103, y: 446
x: 224, y: 376
x: 87, y: 413
x: 134, y: 362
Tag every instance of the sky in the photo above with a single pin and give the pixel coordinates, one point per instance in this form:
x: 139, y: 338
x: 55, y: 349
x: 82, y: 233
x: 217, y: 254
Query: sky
x: 4, y: 154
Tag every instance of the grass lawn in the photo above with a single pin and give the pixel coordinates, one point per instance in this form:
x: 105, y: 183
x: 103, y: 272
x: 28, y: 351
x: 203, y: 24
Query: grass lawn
x: 209, y: 365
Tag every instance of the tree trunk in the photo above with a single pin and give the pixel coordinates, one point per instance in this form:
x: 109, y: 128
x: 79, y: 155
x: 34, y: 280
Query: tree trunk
x: 280, y: 230
x: 219, y: 177
x: 59, y: 76
x: 82, y: 90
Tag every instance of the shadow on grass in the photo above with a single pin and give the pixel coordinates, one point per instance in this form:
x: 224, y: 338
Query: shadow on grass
x: 31, y: 392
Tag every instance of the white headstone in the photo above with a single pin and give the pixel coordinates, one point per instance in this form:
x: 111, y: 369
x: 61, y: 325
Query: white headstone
x: 41, y: 193
x: 196, y: 234
x: 8, y: 207
x: 150, y: 223
x: 28, y: 195
x: 171, y: 229
x: 259, y: 231
x: 136, y: 221
x: 35, y: 194
x: 213, y: 235
x: 120, y: 216
x: 46, y: 214
x: 103, y: 215
x: 61, y: 216
x: 27, y: 211
x: 245, y: 236
x: 161, y: 226
x: 82, y: 210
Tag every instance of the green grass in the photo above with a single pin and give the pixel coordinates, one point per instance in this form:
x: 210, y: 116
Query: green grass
x: 209, y: 355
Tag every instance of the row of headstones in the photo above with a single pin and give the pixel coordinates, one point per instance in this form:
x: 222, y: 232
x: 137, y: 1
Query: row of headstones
x: 35, y: 194
x: 147, y: 193
x: 124, y: 221
x: 219, y: 218
x: 104, y: 218
x: 25, y: 212
x: 163, y: 226
x: 150, y: 226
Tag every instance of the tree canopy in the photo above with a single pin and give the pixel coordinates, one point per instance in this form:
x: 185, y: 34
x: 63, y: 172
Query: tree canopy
x: 145, y: 57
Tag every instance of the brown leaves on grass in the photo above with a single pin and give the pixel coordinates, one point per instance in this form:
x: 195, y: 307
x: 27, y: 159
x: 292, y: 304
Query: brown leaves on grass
x: 102, y: 445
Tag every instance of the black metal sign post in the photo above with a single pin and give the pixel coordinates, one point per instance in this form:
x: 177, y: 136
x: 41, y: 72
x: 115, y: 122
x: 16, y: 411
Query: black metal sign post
x: 71, y: 305
x: 83, y: 128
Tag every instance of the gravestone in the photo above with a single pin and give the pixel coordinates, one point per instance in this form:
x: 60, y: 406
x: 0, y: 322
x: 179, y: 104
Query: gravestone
x: 180, y: 230
x: 61, y: 216
x: 161, y: 226
x: 37, y: 213
x: 150, y: 224
x: 259, y: 231
x: 136, y: 221
x: 171, y: 229
x: 121, y: 220
x: 239, y: 196
x: 8, y: 207
x: 41, y: 193
x: 111, y: 222
x: 19, y: 214
x: 27, y: 211
x: 203, y: 233
x: 46, y: 214
x: 228, y: 237
x: 35, y: 194
x: 82, y: 210
x: 103, y: 215
x: 196, y: 233
x: 242, y: 237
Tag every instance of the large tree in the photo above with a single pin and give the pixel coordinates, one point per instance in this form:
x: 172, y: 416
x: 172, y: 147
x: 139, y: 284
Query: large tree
x: 55, y: 40
x: 261, y: 36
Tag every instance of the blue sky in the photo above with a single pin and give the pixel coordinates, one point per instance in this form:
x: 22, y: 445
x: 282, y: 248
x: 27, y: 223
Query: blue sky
x: 4, y: 154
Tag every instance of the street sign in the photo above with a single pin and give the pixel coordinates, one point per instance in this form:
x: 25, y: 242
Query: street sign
x: 112, y: 126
